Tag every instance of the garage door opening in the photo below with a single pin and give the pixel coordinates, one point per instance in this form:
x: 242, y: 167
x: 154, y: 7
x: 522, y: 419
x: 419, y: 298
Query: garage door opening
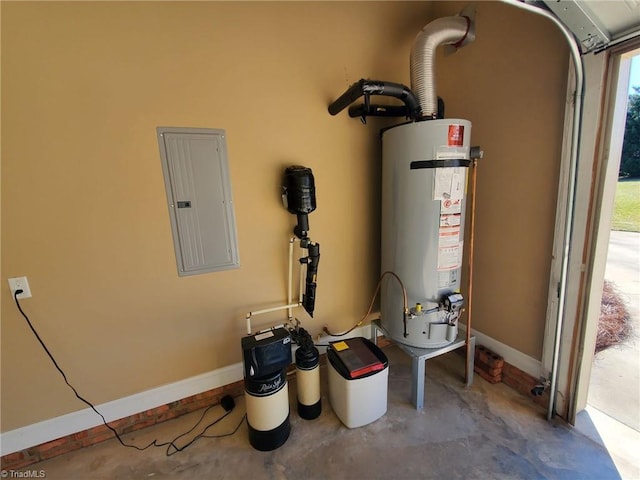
x: 608, y: 396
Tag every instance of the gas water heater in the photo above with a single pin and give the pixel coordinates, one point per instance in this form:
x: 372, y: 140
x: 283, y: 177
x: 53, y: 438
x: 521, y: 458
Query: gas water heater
x: 425, y: 162
x: 424, y: 172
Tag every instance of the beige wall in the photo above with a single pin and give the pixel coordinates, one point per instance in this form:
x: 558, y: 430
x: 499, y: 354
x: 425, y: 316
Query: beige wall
x: 511, y: 83
x: 84, y: 85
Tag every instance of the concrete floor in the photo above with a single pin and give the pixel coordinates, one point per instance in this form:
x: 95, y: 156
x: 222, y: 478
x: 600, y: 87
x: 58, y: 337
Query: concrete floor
x: 622, y: 442
x: 484, y: 432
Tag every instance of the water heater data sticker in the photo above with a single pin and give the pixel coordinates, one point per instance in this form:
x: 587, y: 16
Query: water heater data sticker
x: 448, y: 278
x: 448, y: 257
x: 458, y: 182
x: 444, y: 278
x: 449, y: 183
x: 442, y: 184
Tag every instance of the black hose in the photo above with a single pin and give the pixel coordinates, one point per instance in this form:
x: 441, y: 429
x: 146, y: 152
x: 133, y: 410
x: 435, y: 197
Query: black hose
x: 375, y: 87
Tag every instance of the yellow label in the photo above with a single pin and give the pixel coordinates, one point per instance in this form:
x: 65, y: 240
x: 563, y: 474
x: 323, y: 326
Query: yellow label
x: 339, y: 346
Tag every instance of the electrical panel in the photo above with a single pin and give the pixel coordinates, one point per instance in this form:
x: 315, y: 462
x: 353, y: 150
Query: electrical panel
x: 196, y: 175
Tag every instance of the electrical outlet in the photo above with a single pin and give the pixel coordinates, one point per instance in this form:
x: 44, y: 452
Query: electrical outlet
x: 20, y: 283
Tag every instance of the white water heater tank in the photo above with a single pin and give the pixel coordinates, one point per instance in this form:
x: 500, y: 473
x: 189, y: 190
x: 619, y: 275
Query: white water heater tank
x: 424, y: 181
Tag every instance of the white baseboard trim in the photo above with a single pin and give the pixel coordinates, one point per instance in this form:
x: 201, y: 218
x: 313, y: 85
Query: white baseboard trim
x: 512, y: 356
x: 54, y: 428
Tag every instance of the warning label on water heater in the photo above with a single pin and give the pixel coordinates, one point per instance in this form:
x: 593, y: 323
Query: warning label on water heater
x: 449, y: 243
x: 449, y: 247
x: 449, y: 206
x: 456, y: 135
x: 450, y: 220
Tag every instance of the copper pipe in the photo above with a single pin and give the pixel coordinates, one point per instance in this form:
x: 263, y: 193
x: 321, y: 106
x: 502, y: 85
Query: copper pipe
x: 472, y: 223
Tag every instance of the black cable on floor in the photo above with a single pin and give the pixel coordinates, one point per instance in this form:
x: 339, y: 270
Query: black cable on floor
x: 154, y: 443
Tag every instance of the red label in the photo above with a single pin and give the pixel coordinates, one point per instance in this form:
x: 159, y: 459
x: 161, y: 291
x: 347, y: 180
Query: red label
x: 456, y: 135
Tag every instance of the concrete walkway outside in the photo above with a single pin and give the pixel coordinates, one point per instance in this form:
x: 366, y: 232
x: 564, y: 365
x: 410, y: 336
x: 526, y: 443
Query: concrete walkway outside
x: 615, y: 377
x: 614, y: 390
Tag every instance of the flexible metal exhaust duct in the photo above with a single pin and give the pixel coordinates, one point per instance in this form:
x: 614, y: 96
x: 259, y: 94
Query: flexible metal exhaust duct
x: 457, y: 31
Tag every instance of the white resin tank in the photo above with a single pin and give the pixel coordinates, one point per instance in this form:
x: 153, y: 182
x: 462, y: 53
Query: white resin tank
x: 424, y: 182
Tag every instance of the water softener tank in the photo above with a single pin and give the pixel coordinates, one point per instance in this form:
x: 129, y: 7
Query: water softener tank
x: 424, y: 180
x: 266, y: 356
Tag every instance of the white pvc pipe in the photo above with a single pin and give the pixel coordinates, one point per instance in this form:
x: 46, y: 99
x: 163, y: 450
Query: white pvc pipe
x: 273, y: 309
x: 290, y: 305
x: 301, y: 283
x: 290, y: 278
x: 248, y: 316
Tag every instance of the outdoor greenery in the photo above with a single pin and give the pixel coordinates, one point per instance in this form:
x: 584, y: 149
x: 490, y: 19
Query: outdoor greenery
x: 630, y: 161
x: 626, y: 209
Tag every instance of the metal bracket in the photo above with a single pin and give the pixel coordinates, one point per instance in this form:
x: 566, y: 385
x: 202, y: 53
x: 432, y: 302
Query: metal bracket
x: 579, y: 18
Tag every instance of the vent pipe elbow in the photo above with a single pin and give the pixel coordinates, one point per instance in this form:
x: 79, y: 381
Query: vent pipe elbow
x: 456, y: 31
